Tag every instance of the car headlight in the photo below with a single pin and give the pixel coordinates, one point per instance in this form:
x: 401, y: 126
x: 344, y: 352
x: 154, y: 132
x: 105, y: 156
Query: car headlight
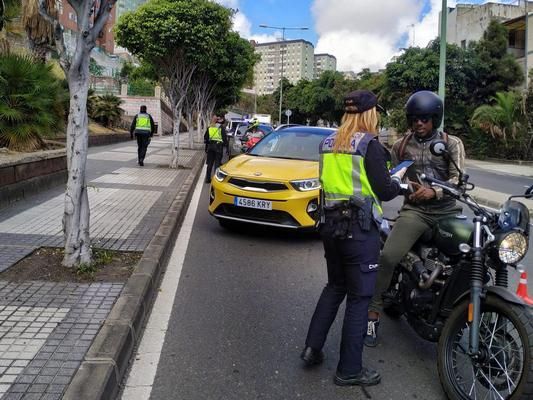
x: 305, y: 185
x: 512, y: 248
x: 220, y: 175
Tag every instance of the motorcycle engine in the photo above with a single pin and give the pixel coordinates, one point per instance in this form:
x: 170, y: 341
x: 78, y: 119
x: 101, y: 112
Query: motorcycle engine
x: 427, y: 271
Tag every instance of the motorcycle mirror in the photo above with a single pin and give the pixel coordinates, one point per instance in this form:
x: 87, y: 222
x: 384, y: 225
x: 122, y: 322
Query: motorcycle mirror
x: 529, y: 192
x: 438, y: 148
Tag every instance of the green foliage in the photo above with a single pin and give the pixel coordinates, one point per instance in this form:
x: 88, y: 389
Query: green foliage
x: 86, y: 269
x: 230, y: 68
x: 162, y: 31
x: 505, y: 126
x: 473, y: 77
x: 31, y: 102
x: 106, y: 109
x: 141, y: 87
x: 94, y: 68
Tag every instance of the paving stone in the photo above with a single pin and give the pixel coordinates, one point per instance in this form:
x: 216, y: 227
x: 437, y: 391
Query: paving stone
x: 46, y: 328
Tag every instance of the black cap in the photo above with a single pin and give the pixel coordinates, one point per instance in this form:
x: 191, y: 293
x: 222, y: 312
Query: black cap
x: 360, y: 101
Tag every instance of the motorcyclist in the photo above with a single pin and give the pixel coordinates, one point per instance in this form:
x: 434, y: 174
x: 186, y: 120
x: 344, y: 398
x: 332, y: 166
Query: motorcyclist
x: 253, y: 134
x: 423, y: 205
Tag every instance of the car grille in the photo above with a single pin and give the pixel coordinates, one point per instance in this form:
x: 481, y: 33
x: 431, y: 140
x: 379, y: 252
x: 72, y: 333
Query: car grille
x: 259, y: 186
x: 269, y: 216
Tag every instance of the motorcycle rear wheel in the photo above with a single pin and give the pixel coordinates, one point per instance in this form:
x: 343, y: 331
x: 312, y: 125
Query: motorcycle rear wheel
x: 506, y: 345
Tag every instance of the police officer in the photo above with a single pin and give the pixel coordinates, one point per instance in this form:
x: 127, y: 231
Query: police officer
x: 215, y: 139
x: 143, y: 127
x: 354, y: 179
x: 426, y: 205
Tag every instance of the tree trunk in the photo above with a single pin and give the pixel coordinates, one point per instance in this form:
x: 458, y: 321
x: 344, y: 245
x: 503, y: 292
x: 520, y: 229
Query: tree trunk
x: 77, y: 213
x: 199, y: 126
x: 191, y: 129
x: 174, y: 161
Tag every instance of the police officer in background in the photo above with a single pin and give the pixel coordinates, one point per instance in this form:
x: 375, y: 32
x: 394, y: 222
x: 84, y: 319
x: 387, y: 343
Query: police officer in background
x: 354, y: 179
x: 143, y: 127
x: 215, y: 139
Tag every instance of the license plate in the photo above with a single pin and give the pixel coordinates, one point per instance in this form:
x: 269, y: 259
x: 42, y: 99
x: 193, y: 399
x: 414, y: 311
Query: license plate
x: 253, y: 203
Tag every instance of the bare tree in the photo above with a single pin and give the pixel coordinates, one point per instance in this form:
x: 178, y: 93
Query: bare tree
x: 91, y: 18
x: 177, y: 75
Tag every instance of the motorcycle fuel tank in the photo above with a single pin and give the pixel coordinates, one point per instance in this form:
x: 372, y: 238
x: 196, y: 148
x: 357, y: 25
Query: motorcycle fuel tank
x: 451, y: 232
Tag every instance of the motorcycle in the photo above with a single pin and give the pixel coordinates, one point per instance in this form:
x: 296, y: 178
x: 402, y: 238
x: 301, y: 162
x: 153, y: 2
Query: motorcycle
x: 452, y: 289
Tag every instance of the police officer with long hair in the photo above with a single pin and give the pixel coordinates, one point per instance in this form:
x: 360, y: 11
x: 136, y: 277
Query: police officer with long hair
x: 355, y: 179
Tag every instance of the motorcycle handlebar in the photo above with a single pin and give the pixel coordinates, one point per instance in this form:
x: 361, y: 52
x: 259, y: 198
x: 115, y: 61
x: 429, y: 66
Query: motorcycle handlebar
x: 444, y: 185
x: 458, y: 193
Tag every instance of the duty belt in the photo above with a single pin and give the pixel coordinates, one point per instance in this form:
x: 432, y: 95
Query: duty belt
x: 346, y: 214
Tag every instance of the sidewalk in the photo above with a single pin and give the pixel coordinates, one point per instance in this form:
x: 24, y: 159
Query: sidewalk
x: 46, y: 328
x: 492, y: 198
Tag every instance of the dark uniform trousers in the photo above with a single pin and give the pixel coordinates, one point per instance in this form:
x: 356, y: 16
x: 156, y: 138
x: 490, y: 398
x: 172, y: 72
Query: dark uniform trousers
x: 215, y: 151
x: 143, y: 140
x: 352, y: 270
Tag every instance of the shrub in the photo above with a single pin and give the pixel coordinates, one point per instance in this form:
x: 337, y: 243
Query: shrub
x: 106, y: 109
x: 32, y: 102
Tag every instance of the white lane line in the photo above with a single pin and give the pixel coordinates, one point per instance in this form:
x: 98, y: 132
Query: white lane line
x: 142, y: 374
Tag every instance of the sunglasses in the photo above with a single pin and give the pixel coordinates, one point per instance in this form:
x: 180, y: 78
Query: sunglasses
x: 422, y: 118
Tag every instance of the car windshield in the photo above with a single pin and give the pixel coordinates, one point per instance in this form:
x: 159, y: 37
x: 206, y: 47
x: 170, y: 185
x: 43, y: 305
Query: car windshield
x: 296, y: 145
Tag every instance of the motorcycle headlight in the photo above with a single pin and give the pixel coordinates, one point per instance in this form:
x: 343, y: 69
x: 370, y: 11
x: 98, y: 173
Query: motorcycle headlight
x: 220, y: 175
x: 306, y: 185
x: 512, y: 248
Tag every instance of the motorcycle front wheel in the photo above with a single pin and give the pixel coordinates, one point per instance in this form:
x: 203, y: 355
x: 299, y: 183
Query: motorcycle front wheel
x: 504, y: 369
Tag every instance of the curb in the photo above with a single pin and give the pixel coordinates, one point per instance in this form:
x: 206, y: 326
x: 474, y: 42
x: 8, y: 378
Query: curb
x: 104, y: 366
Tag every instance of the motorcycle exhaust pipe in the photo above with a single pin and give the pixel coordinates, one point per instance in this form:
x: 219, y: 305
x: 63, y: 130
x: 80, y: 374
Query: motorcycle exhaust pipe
x: 427, y: 280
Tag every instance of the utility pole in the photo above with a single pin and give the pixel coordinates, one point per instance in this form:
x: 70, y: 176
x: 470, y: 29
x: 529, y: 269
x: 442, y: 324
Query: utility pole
x: 282, y: 51
x: 442, y: 64
x: 526, y: 55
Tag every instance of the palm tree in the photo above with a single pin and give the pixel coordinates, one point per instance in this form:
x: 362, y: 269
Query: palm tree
x: 40, y: 32
x: 501, y: 119
x: 9, y: 28
x: 106, y: 109
x: 32, y: 102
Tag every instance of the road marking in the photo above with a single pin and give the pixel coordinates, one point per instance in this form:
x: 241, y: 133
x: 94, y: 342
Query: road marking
x: 142, y: 374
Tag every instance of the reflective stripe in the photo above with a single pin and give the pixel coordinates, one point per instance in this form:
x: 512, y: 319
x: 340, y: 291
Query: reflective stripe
x: 215, y: 134
x: 343, y: 175
x: 143, y: 122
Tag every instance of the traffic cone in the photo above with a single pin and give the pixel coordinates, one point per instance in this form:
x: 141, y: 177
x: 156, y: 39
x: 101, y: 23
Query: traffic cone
x: 521, y: 290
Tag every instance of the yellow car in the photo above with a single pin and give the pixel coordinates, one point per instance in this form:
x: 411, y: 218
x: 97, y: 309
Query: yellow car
x: 275, y: 183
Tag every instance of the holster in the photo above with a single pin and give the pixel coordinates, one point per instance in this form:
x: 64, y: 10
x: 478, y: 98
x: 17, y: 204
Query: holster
x: 342, y: 218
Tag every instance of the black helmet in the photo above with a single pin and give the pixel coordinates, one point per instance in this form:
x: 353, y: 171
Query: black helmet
x: 425, y: 103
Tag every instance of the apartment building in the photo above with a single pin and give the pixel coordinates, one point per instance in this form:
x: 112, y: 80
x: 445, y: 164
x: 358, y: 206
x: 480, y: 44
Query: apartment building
x: 324, y: 62
x: 297, y: 57
x: 467, y: 22
x: 68, y: 19
x: 122, y: 7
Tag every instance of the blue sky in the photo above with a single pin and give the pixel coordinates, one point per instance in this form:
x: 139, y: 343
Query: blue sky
x: 360, y: 33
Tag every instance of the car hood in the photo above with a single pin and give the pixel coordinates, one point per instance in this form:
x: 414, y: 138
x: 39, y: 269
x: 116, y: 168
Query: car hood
x: 272, y: 169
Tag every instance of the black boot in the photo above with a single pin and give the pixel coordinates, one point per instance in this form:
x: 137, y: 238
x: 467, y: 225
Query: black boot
x: 311, y: 356
x: 367, y: 377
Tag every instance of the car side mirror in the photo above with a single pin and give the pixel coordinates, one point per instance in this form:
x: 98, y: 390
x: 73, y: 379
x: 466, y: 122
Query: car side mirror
x: 438, y: 148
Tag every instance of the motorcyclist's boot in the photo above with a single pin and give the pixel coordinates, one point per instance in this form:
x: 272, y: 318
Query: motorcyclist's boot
x: 371, y: 338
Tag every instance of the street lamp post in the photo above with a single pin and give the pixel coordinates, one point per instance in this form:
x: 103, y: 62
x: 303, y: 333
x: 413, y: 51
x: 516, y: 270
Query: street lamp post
x: 283, y: 29
x: 442, y: 65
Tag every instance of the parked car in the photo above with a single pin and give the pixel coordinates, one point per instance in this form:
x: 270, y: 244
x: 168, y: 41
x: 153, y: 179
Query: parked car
x: 232, y: 125
x: 238, y: 140
x: 275, y: 183
x: 285, y: 126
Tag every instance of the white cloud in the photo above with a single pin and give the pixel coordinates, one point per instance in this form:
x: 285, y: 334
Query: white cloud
x: 242, y: 24
x: 364, y: 35
x: 368, y: 33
